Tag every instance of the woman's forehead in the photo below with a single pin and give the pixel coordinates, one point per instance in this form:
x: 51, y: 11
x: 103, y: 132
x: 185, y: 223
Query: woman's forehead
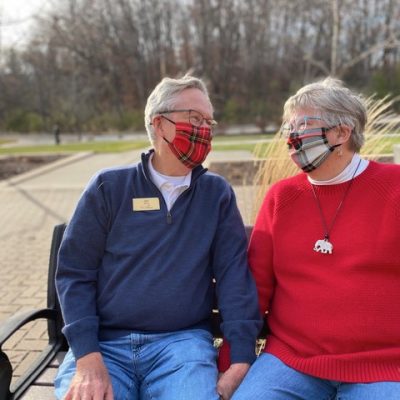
x: 304, y: 112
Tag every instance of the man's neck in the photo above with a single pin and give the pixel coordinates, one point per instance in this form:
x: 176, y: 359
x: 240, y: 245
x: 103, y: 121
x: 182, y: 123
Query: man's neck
x: 168, y: 164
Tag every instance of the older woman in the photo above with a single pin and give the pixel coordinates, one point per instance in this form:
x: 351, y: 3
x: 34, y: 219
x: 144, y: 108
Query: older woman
x: 325, y: 253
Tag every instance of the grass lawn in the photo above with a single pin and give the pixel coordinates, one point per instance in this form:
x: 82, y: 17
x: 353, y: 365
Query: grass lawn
x: 220, y: 143
x: 4, y: 141
x: 235, y: 138
x: 97, y: 147
x: 233, y: 147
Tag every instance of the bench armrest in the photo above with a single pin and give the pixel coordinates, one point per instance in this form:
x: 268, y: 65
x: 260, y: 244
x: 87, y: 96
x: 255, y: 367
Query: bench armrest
x: 7, y: 329
x: 12, y: 324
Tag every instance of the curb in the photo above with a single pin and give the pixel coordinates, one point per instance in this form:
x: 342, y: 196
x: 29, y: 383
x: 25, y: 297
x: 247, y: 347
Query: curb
x: 45, y: 168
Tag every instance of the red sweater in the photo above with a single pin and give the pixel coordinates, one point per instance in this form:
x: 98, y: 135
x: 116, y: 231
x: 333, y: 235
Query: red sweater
x: 334, y: 316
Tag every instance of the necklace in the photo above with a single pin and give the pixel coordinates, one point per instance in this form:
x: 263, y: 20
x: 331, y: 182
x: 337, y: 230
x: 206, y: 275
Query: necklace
x: 324, y: 246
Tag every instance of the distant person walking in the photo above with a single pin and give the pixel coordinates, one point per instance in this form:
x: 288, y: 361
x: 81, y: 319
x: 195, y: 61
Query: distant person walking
x: 57, y: 132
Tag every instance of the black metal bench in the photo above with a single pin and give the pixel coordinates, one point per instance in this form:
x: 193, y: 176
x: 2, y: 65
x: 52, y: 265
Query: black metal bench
x: 37, y: 381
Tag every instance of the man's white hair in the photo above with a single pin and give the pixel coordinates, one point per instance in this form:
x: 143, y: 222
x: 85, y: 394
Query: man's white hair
x: 336, y: 105
x: 163, y: 98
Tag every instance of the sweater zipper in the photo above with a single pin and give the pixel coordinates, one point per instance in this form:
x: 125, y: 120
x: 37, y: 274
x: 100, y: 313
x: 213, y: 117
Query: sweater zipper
x: 169, y: 215
x: 169, y: 218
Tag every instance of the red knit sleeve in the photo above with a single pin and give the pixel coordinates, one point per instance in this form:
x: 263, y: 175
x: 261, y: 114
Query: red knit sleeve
x: 260, y: 252
x: 224, y: 358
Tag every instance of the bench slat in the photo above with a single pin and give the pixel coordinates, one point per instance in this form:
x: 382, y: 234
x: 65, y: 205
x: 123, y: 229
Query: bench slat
x: 57, y: 360
x: 39, y: 393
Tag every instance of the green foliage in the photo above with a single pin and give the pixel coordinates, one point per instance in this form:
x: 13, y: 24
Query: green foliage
x: 23, y: 121
x: 386, y: 81
x: 260, y: 112
x: 125, y: 121
x: 232, y: 112
x: 65, y: 121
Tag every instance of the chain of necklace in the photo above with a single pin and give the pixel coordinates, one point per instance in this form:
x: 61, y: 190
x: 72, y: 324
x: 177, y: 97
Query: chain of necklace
x: 324, y: 245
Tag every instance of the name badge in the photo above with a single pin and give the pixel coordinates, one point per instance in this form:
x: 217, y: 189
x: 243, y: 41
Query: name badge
x: 146, y: 204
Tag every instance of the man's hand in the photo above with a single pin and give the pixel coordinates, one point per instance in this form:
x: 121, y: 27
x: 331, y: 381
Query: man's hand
x: 91, y: 380
x: 231, y: 379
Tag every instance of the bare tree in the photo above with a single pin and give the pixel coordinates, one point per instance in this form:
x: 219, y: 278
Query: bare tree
x: 92, y: 62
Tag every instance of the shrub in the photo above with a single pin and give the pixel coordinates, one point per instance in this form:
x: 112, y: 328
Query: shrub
x: 24, y: 121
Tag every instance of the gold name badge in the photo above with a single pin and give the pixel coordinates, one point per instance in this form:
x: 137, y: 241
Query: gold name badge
x: 146, y: 204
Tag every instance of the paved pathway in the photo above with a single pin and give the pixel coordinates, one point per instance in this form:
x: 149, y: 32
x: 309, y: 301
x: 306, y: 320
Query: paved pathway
x: 30, y: 206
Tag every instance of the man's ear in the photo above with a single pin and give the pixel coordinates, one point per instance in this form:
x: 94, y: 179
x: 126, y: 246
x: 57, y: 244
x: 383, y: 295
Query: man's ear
x: 157, y: 124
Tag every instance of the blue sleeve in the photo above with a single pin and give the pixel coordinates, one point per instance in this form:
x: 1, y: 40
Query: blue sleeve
x: 79, y: 259
x: 236, y: 290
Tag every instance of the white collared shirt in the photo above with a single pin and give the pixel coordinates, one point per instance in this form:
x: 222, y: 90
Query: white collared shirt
x: 170, y: 186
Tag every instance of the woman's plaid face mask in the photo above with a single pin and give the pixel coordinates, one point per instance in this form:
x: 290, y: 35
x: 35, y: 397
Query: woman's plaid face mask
x: 310, y: 145
x: 191, y: 144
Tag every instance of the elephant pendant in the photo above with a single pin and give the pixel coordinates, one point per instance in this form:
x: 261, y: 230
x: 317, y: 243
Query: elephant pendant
x: 323, y: 246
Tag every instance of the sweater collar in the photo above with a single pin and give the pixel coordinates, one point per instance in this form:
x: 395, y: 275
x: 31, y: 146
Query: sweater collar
x: 196, y: 172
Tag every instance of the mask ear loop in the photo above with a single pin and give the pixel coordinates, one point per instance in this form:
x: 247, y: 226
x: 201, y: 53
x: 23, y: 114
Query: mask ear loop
x: 331, y: 148
x: 166, y: 140
x: 172, y: 122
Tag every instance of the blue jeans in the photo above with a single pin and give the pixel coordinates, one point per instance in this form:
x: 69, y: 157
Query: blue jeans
x: 269, y: 378
x: 178, y: 365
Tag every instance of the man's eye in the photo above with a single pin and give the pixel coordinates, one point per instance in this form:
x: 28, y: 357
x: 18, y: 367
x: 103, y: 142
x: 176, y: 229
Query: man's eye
x: 196, y: 119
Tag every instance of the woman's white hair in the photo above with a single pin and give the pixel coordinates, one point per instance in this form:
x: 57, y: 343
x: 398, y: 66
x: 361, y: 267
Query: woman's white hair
x: 336, y: 105
x: 163, y: 98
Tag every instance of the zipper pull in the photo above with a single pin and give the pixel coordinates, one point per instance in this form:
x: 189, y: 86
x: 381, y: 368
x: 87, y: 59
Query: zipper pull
x: 169, y: 218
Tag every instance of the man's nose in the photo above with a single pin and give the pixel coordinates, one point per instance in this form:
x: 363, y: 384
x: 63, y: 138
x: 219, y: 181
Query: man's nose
x: 204, y: 123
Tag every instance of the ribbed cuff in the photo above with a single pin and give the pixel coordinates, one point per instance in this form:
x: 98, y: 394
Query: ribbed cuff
x: 82, y: 336
x: 242, y: 351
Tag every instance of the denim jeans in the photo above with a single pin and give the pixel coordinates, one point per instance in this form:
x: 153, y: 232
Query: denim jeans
x: 269, y: 378
x: 178, y: 365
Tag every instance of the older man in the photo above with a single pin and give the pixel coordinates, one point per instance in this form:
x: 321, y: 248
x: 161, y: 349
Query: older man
x: 137, y: 262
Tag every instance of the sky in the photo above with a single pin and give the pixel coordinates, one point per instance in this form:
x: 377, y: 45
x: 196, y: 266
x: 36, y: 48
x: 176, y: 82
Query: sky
x: 16, y: 17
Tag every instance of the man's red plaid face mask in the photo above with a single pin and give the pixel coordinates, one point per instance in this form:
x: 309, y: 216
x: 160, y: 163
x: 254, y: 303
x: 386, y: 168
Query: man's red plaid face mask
x: 191, y: 144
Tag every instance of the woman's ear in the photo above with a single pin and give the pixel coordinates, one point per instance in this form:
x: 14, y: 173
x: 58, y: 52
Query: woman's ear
x: 344, y: 133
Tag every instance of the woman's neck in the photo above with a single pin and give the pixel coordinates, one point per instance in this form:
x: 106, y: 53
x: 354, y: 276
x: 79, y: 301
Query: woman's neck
x: 332, y: 166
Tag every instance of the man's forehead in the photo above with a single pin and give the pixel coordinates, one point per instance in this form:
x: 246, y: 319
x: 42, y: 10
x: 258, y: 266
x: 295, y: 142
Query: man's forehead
x: 194, y: 99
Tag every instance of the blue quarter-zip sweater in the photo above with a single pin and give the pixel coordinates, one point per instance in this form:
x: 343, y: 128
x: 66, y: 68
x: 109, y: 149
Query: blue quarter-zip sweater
x: 122, y: 270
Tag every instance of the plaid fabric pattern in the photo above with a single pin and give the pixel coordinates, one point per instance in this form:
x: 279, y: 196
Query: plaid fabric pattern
x: 191, y: 144
x: 311, y: 148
